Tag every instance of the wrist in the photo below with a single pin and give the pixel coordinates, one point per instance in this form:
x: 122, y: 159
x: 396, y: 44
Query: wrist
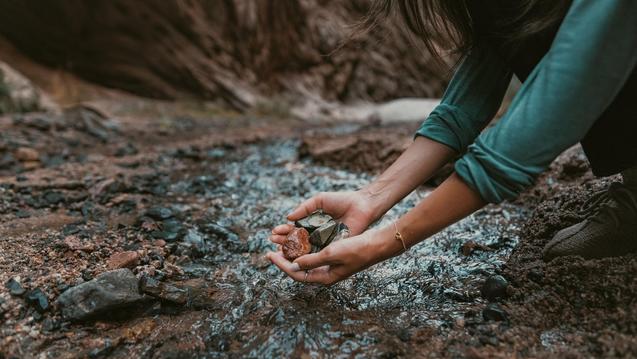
x: 385, y: 243
x: 377, y: 201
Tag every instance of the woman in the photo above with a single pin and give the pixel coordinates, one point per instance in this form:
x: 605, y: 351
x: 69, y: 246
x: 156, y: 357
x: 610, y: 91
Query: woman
x: 576, y: 61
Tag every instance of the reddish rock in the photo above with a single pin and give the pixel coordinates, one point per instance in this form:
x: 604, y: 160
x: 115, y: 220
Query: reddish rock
x: 127, y: 259
x: 75, y: 244
x: 26, y: 154
x: 297, y: 244
x: 472, y: 246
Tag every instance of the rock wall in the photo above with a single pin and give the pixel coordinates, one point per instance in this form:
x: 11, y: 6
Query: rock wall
x: 232, y: 51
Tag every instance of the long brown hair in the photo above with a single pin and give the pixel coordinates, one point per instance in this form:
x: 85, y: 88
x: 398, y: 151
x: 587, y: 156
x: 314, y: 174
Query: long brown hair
x: 448, y: 27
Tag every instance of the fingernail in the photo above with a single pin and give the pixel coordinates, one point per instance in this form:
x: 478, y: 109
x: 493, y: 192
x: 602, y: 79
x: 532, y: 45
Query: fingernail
x: 295, y: 267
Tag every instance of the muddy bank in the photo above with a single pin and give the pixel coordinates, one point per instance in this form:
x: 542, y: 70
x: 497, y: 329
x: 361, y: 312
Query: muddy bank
x: 176, y: 216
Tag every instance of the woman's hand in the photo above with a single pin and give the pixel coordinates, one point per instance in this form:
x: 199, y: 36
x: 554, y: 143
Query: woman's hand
x: 340, y: 259
x: 354, y: 208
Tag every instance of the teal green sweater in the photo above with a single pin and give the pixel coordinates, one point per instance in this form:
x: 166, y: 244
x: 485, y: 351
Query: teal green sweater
x: 592, y: 55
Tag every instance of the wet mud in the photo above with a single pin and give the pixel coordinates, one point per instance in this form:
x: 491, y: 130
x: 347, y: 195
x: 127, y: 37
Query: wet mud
x: 187, y: 207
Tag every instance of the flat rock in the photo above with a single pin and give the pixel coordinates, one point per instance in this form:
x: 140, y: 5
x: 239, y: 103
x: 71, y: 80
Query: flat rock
x: 128, y: 259
x: 14, y: 287
x: 108, y: 291
x: 324, y: 234
x: 315, y: 220
x: 26, y: 154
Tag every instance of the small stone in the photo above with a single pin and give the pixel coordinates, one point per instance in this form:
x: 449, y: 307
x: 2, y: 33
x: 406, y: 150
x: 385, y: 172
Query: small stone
x: 159, y: 213
x: 74, y: 243
x: 457, y: 296
x: 52, y: 197
x: 37, y: 299
x: 341, y: 232
x: 297, y: 244
x: 160, y: 243
x: 494, y: 287
x: 322, y: 236
x: 315, y: 220
x: 494, y: 312
x: 471, y: 246
x: 128, y: 259
x: 171, y: 230
x: 196, y: 241
x: 22, y: 214
x: 108, y: 291
x: 14, y: 287
x: 26, y: 154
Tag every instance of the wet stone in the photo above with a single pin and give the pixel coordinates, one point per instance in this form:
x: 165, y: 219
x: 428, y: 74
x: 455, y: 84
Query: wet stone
x: 494, y: 287
x: 171, y: 230
x: 109, y: 290
x: 38, y: 300
x: 196, y: 241
x: 14, y: 287
x: 22, y: 214
x: 159, y: 213
x: 297, y: 244
x: 323, y: 235
x: 471, y: 246
x: 315, y: 220
x: 53, y: 197
x: 494, y: 312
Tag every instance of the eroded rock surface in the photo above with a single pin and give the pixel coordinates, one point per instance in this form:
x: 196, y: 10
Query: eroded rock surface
x: 108, y: 291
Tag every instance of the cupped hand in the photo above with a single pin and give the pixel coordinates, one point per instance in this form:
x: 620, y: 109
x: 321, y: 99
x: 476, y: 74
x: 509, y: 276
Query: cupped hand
x: 335, y: 262
x: 354, y: 208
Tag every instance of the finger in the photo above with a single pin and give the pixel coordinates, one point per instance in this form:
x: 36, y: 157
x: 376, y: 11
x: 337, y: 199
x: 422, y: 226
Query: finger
x: 278, y: 239
x: 314, y: 260
x: 319, y: 275
x: 306, y: 208
x: 282, y: 229
x: 285, y: 265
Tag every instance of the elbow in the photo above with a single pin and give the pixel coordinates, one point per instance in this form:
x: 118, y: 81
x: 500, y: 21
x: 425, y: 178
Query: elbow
x: 493, y: 176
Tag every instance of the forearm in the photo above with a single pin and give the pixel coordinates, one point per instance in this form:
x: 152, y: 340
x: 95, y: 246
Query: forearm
x: 415, y: 166
x: 449, y: 203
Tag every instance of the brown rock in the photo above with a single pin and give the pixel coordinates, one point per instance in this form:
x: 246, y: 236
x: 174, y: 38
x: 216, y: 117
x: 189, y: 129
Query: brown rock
x: 470, y: 246
x: 75, y: 244
x: 26, y: 154
x: 127, y: 259
x: 160, y: 243
x: 297, y: 244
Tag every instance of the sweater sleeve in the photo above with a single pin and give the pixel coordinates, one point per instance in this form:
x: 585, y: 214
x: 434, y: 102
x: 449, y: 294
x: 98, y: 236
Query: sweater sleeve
x: 592, y: 56
x: 471, y: 100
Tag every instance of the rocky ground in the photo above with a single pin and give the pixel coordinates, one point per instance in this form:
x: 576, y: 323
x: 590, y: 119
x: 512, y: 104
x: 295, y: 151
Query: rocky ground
x: 144, y: 236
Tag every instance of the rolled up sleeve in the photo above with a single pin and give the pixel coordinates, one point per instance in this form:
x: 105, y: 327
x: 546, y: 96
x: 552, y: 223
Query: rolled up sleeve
x: 592, y: 56
x: 471, y: 100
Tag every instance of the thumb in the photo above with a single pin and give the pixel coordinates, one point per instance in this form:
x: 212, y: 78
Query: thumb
x: 306, y: 208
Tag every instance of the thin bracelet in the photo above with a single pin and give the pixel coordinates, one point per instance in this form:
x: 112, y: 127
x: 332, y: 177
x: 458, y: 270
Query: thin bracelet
x: 399, y: 236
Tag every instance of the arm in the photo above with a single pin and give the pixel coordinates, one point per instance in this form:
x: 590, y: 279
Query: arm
x: 593, y: 54
x: 343, y: 258
x: 469, y: 103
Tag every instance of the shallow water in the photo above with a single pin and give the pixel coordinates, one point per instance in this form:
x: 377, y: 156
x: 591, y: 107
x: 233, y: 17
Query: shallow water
x: 377, y: 312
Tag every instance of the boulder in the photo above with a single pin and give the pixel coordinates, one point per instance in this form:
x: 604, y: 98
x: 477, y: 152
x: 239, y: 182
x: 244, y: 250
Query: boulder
x: 108, y: 291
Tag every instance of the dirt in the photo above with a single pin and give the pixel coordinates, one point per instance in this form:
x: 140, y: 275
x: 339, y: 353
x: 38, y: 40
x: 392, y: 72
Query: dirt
x: 189, y: 201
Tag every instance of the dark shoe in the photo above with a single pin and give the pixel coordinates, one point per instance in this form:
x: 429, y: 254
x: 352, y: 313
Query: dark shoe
x: 609, y: 230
